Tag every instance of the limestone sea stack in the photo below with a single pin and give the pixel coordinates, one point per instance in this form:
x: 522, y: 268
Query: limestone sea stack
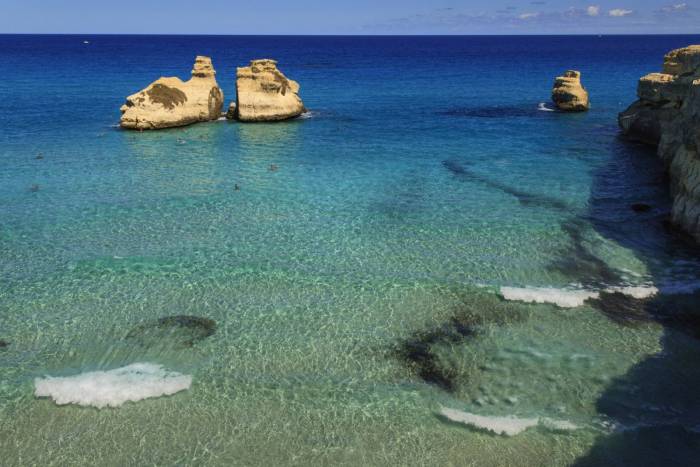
x: 171, y: 102
x: 264, y: 94
x: 569, y: 94
x: 667, y: 115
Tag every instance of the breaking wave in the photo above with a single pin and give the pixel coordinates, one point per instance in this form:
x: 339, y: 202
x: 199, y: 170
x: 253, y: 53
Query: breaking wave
x: 563, y: 298
x: 573, y: 297
x: 113, y: 388
x: 505, y: 426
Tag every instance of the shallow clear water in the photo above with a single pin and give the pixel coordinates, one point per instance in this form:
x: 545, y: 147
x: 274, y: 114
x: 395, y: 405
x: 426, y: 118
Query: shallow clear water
x: 424, y: 179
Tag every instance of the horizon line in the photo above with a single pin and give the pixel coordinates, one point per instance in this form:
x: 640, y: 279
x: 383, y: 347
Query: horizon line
x: 346, y: 35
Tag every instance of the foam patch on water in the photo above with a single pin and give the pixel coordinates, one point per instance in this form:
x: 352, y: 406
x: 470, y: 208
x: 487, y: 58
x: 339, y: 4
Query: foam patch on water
x: 113, y: 388
x: 638, y: 292
x: 505, y: 426
x: 563, y: 298
x: 573, y: 297
x: 558, y: 425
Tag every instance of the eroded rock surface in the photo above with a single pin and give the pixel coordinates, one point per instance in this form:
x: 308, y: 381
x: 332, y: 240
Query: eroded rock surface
x: 264, y: 94
x: 667, y: 115
x: 569, y: 94
x: 171, y: 102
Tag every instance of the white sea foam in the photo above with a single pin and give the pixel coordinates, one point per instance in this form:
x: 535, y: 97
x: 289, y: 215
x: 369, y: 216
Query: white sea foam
x: 113, y: 388
x: 506, y: 426
x: 639, y: 292
x: 307, y: 114
x: 558, y: 425
x: 563, y: 298
x: 573, y: 297
x: 543, y: 108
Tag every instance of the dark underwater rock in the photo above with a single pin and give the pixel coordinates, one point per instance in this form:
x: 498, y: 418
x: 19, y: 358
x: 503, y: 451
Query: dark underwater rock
x: 417, y: 351
x: 180, y: 330
x: 420, y: 351
x: 4, y: 344
x: 640, y: 207
x: 524, y: 111
x: 623, y: 309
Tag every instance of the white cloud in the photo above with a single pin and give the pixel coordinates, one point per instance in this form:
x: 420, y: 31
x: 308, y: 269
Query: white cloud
x: 527, y: 16
x: 620, y: 12
x: 678, y: 7
x: 593, y: 10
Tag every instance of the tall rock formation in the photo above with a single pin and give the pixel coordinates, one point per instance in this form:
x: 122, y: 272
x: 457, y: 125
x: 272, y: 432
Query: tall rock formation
x: 568, y: 93
x: 265, y: 94
x: 170, y: 102
x: 667, y: 115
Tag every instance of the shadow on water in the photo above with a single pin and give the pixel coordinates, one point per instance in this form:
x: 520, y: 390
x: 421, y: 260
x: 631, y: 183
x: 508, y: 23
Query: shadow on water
x: 526, y: 110
x: 576, y: 259
x: 525, y: 198
x: 656, y: 404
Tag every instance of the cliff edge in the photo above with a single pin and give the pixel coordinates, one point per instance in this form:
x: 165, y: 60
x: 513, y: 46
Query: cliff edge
x: 667, y: 115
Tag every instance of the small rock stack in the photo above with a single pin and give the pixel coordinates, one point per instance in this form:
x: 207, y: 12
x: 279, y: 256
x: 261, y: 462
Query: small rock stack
x: 170, y: 102
x: 568, y: 93
x: 263, y: 93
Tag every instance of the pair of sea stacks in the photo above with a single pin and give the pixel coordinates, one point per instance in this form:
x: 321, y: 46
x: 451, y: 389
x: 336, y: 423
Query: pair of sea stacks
x: 263, y: 94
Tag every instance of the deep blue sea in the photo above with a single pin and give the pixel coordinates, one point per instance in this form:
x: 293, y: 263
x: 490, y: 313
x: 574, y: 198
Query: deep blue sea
x: 360, y: 289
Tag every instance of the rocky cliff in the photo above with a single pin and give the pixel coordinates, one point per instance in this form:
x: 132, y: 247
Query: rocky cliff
x: 171, y: 102
x: 265, y: 94
x: 569, y: 94
x: 667, y: 114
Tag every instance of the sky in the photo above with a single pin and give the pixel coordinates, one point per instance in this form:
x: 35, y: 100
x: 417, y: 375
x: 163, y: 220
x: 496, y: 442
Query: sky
x: 351, y: 17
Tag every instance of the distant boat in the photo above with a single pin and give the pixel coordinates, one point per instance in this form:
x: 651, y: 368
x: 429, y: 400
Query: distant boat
x: 86, y: 42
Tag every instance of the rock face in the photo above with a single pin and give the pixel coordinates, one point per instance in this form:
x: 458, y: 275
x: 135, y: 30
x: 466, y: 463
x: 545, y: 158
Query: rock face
x: 667, y: 114
x: 170, y: 102
x: 264, y: 94
x: 568, y: 93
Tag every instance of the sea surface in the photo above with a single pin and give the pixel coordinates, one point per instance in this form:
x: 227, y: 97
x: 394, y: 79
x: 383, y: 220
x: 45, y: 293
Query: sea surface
x: 345, y: 301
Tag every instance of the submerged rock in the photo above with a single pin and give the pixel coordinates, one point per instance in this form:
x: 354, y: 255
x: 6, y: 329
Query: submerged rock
x: 623, y: 309
x: 178, y: 330
x: 568, y: 93
x: 641, y: 207
x: 265, y: 94
x: 171, y: 102
x: 231, y: 112
x: 4, y: 344
x: 667, y: 115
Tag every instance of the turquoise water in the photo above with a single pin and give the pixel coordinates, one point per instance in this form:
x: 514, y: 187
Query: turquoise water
x: 355, y: 289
